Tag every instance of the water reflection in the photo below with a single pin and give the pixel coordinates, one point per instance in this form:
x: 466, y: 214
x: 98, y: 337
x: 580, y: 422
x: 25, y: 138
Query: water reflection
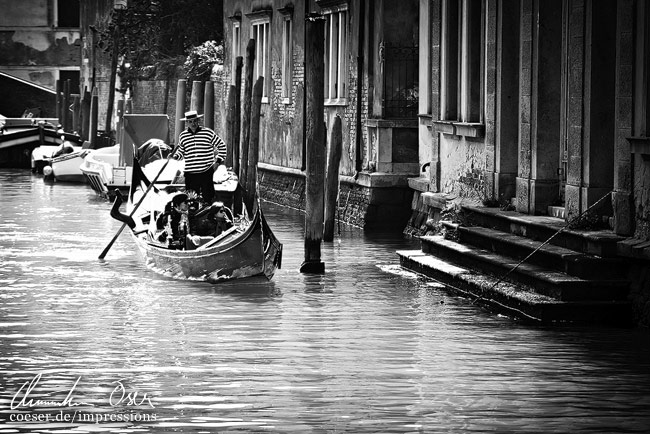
x: 367, y: 347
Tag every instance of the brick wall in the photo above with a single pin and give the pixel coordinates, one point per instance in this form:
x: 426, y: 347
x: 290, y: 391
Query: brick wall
x: 374, y: 209
x: 151, y: 97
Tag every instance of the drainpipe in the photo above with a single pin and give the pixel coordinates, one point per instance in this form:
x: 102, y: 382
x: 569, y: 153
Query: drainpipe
x: 360, y: 59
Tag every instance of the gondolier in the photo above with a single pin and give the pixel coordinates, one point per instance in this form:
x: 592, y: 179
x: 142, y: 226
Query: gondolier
x: 203, y: 150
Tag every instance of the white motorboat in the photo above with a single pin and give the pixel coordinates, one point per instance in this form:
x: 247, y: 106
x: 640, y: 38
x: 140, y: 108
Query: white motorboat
x: 61, y: 165
x: 67, y: 167
x: 97, y: 167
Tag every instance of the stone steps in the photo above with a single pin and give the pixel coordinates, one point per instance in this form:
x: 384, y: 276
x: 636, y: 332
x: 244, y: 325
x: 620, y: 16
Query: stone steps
x: 540, y: 228
x: 516, y: 300
x: 548, y: 255
x: 573, y: 278
x: 542, y: 280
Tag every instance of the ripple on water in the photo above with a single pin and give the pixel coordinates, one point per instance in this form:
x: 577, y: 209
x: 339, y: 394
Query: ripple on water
x: 367, y: 347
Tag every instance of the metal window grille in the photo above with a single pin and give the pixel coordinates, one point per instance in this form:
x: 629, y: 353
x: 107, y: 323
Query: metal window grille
x: 400, y: 74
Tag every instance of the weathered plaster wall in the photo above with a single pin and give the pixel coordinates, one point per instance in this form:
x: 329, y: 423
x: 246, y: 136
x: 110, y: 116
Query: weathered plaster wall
x: 281, y: 133
x: 30, y: 48
x: 25, y: 13
x: 462, y: 166
x: 348, y: 112
x: 40, y: 48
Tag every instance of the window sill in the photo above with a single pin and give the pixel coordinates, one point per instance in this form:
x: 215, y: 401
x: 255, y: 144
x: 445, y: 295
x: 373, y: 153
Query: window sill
x: 640, y: 145
x: 466, y: 129
x: 391, y: 123
x: 336, y: 102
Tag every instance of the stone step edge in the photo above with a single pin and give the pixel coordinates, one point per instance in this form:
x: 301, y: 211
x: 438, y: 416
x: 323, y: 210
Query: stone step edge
x: 526, y: 243
x: 562, y: 259
x: 558, y: 253
x: 594, y: 236
x: 551, y: 277
x: 513, y: 299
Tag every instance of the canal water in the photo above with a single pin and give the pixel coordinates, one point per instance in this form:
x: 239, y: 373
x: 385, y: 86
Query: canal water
x: 108, y: 346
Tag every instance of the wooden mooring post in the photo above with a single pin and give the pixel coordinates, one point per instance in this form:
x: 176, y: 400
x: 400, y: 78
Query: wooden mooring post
x: 315, y: 141
x: 59, y: 93
x: 65, y: 108
x: 230, y: 129
x: 239, y: 61
x: 76, y: 113
x: 253, y: 146
x: 94, y: 118
x: 85, y: 114
x: 332, y: 183
x: 119, y: 127
x: 246, y: 113
x: 196, y: 101
x: 181, y: 88
x: 126, y: 152
x: 208, y: 105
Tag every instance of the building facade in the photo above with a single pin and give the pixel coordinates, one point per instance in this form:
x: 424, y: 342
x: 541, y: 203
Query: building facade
x: 39, y: 45
x: 371, y: 83
x: 540, y: 105
x: 40, y: 41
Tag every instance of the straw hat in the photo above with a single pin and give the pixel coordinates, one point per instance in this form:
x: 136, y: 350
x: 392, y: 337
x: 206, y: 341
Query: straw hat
x: 191, y: 115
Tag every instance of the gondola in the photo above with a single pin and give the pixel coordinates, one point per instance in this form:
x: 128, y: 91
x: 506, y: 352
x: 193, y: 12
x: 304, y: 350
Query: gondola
x: 247, y: 248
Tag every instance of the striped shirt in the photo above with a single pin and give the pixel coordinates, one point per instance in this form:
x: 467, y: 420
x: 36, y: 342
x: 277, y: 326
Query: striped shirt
x: 199, y: 149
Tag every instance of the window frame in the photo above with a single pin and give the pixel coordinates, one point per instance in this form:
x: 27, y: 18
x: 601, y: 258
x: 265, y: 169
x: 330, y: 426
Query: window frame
x: 462, y: 62
x: 262, y: 19
x: 235, y: 50
x: 336, y: 45
x: 287, y: 58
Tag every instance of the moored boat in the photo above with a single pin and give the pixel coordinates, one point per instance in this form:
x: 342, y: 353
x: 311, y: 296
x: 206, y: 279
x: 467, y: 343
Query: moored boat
x: 245, y: 247
x: 98, y: 166
x: 67, y: 167
x: 20, y: 136
x: 41, y: 156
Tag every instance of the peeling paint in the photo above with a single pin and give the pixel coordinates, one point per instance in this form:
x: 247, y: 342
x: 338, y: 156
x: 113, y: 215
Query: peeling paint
x: 37, y: 40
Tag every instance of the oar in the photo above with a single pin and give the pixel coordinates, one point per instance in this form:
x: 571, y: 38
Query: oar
x: 135, y: 208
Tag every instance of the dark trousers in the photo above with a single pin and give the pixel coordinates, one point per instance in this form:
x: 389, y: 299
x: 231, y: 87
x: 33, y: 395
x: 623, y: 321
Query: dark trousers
x: 201, y: 183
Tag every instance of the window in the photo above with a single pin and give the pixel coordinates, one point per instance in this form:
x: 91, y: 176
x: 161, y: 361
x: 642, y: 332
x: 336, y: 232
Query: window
x: 286, y: 60
x: 260, y: 32
x: 67, y: 13
x: 236, y: 48
x: 461, y: 90
x: 336, y: 36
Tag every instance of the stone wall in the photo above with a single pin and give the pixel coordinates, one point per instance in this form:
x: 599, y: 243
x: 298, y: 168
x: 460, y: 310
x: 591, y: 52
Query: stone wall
x: 282, y: 188
x: 420, y: 214
x: 151, y: 97
x: 370, y: 208
x: 640, y: 292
